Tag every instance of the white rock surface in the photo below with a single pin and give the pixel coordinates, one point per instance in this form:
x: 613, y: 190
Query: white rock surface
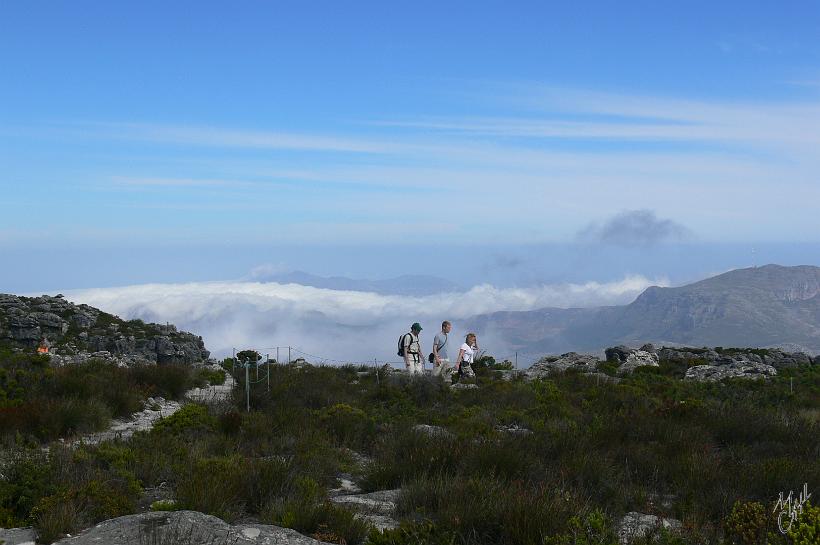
x: 17, y: 536
x: 638, y: 358
x: 634, y: 525
x: 188, y: 527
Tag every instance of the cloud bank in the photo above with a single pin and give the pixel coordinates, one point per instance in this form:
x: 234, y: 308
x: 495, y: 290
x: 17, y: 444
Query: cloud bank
x: 332, y: 325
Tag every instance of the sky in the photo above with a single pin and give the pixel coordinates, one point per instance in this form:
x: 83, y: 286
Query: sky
x: 508, y: 144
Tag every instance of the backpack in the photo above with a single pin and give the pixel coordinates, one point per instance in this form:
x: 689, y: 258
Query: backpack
x: 401, y: 343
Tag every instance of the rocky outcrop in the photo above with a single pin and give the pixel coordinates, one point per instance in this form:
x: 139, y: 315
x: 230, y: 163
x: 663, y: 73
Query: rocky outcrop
x: 18, y: 536
x: 188, y: 527
x: 584, y: 363
x: 80, y: 332
x: 718, y: 356
x: 638, y: 358
x: 432, y: 431
x: 635, y: 525
x: 377, y: 508
x: 733, y: 369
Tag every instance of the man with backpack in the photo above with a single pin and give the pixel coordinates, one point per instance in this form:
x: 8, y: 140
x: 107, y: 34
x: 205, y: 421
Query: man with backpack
x: 410, y: 349
x: 441, y: 363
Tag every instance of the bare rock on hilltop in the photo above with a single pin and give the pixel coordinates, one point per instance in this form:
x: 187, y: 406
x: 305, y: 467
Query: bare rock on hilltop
x: 80, y: 332
x: 189, y: 527
x: 635, y: 525
x: 584, y: 363
x: 734, y: 369
x: 638, y: 358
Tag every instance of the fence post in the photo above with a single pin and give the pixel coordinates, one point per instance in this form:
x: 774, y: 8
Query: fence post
x: 289, y: 359
x: 267, y: 366
x: 248, y: 386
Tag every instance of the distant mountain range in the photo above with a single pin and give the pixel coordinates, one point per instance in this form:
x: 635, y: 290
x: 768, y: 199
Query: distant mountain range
x: 402, y: 285
x: 760, y: 306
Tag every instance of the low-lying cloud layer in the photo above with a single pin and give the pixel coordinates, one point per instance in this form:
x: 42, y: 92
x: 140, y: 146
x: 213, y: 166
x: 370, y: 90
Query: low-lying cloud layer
x: 334, y: 325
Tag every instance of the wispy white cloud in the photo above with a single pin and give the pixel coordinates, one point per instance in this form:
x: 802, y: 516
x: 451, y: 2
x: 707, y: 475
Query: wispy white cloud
x: 221, y: 137
x: 178, y: 182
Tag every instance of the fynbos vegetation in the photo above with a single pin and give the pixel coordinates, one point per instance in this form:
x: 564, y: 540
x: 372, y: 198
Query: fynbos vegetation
x: 554, y: 461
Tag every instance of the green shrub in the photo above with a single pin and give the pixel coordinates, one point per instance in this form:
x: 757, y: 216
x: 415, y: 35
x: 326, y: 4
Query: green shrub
x: 190, y: 418
x: 165, y: 505
x: 748, y: 524
x: 26, y: 479
x: 57, y: 516
x: 214, y: 377
x: 348, y: 425
x: 414, y: 533
x: 307, y: 511
x: 214, y: 486
x: 806, y: 529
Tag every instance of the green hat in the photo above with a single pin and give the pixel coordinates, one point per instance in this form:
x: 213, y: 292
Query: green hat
x: 415, y: 327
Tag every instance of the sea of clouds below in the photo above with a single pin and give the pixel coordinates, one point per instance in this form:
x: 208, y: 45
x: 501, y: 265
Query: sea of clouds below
x: 332, y: 325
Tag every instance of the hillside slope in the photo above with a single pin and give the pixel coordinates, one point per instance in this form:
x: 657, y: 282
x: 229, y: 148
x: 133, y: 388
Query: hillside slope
x: 760, y: 306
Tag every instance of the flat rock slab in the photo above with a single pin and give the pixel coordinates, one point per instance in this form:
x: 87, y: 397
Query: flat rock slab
x: 382, y: 502
x: 737, y: 369
x: 184, y: 527
x: 347, y: 486
x: 635, y: 525
x: 375, y: 508
x: 18, y: 536
x: 432, y: 431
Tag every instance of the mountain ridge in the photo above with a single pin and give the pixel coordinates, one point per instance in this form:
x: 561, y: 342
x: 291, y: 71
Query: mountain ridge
x: 758, y: 306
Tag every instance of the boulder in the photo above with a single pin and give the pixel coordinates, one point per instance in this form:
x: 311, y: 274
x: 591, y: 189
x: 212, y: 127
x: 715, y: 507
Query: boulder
x: 618, y: 353
x: 464, y: 386
x: 734, y: 369
x: 18, y: 536
x: 584, y: 363
x: 638, y: 358
x: 636, y: 525
x: 432, y: 431
x: 189, y: 527
x: 377, y: 508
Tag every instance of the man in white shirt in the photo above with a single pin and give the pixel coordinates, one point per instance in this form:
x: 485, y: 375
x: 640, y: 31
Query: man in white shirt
x: 412, y: 350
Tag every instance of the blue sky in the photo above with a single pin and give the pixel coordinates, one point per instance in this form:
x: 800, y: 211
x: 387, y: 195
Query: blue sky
x: 314, y: 134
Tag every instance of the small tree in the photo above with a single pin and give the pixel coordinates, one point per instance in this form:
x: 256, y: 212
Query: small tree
x: 248, y: 356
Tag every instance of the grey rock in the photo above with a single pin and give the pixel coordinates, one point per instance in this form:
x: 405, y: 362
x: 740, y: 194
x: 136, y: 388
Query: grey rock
x: 432, y: 431
x: 376, y: 508
x: 50, y: 323
x: 24, y: 320
x: 584, y: 363
x: 618, y: 353
x: 24, y: 328
x: 514, y: 429
x: 464, y: 386
x: 638, y: 358
x: 636, y: 525
x: 184, y: 527
x: 18, y: 536
x: 735, y: 369
x: 84, y: 320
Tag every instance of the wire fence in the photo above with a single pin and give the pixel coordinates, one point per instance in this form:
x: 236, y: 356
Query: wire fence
x: 520, y: 360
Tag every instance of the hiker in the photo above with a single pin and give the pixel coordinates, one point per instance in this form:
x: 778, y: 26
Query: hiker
x: 466, y: 353
x: 441, y: 363
x: 412, y: 350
